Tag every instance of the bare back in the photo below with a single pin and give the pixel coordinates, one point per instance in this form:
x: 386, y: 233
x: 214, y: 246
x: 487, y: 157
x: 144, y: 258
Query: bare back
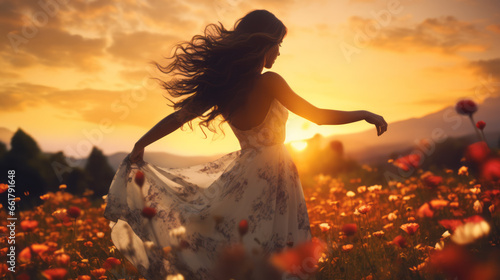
x: 255, y: 109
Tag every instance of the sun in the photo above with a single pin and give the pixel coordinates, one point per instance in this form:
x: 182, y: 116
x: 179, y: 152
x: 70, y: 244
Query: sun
x: 299, y: 145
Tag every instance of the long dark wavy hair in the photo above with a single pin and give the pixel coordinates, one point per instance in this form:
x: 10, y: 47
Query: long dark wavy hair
x: 216, y: 70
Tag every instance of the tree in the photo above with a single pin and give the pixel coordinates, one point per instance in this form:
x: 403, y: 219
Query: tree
x: 99, y: 171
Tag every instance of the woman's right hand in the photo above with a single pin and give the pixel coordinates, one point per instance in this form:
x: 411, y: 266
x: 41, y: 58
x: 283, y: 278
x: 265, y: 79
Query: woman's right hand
x: 137, y: 154
x: 378, y: 121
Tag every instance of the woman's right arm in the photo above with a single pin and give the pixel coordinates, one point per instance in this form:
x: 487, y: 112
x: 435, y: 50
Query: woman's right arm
x: 164, y: 127
x: 279, y: 88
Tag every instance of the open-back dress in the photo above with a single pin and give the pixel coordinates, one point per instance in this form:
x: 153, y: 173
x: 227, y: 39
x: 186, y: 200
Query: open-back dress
x: 199, y: 208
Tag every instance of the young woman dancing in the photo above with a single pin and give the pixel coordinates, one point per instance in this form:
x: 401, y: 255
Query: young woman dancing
x: 252, y: 196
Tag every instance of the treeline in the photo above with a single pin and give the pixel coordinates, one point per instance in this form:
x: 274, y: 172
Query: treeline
x: 37, y: 173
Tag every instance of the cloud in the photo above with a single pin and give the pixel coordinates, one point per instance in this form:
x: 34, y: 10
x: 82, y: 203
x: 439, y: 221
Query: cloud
x: 487, y: 67
x: 127, y: 107
x: 141, y: 46
x: 445, y: 35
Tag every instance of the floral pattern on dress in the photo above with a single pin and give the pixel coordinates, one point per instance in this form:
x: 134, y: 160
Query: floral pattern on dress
x: 258, y: 183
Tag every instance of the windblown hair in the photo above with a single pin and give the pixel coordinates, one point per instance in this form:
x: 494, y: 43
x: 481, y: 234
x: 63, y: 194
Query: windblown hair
x: 216, y: 70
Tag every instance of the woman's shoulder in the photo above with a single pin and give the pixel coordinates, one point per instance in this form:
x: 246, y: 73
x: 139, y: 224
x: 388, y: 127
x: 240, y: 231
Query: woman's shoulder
x: 270, y: 81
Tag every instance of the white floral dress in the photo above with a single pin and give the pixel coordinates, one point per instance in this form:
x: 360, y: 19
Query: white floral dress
x: 199, y: 207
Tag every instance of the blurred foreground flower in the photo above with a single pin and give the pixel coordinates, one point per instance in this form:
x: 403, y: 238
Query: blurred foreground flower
x: 490, y: 170
x: 473, y: 229
x: 477, y: 152
x: 301, y: 260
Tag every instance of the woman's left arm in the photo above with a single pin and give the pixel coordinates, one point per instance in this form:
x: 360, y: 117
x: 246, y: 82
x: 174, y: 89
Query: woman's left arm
x: 164, y: 127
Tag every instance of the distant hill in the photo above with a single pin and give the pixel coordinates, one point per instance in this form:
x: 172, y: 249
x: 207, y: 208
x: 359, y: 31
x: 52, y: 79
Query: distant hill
x: 157, y: 158
x: 366, y: 147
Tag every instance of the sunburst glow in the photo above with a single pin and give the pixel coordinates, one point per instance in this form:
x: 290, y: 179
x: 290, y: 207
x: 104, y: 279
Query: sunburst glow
x: 299, y: 145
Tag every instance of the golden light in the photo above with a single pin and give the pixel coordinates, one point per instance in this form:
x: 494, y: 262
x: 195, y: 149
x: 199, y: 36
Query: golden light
x: 299, y: 145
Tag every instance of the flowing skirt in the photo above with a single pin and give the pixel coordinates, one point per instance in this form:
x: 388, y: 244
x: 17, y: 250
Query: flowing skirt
x: 199, y: 210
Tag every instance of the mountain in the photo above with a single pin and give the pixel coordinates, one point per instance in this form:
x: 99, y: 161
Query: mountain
x: 434, y: 128
x: 157, y: 158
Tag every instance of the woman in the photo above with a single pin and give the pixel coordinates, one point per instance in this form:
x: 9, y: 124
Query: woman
x: 201, y: 210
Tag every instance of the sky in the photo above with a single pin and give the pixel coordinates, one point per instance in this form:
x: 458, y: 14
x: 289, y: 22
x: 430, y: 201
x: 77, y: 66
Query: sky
x: 76, y: 73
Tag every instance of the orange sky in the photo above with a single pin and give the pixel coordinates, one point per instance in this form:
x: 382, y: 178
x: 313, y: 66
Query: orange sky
x: 75, y: 74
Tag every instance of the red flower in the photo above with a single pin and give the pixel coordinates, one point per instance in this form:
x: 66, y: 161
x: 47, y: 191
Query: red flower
x: 466, y: 107
x: 399, y: 241
x: 139, y: 178
x: 450, y: 224
x: 349, y: 229
x: 491, y: 170
x: 55, y: 273
x: 407, y: 162
x: 74, y: 212
x: 111, y: 263
x: 432, y: 181
x: 243, y: 227
x: 148, y: 212
x: 480, y: 125
x: 301, y: 259
x: 477, y: 152
x: 29, y: 225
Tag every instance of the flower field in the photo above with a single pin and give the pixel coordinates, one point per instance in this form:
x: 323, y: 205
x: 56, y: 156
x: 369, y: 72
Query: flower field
x: 428, y: 226
x: 420, y: 224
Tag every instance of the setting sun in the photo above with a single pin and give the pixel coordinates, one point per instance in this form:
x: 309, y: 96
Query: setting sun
x: 299, y: 145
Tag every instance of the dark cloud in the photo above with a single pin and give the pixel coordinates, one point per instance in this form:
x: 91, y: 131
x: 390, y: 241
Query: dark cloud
x: 487, y: 67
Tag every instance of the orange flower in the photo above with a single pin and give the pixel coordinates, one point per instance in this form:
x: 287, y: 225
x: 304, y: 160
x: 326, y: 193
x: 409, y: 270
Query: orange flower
x: 324, y: 227
x: 111, y: 263
x: 347, y: 247
x: 29, y: 225
x: 25, y: 255
x: 55, y: 273
x: 349, y: 229
x: 84, y: 277
x: 62, y: 259
x: 3, y: 187
x: 439, y: 203
x: 148, y: 212
x: 363, y: 209
x: 139, y: 178
x: 88, y: 244
x: 410, y: 228
x: 39, y: 248
x: 243, y: 227
x: 98, y: 272
x: 379, y: 233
